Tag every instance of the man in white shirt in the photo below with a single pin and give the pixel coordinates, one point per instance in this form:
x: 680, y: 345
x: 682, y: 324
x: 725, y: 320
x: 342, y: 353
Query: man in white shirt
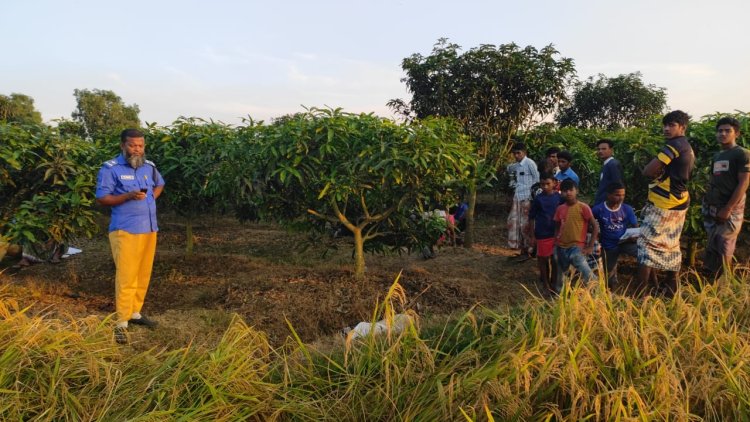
x: 523, y: 174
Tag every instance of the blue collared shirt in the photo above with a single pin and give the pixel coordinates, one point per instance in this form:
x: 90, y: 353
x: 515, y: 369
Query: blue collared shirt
x: 117, y: 177
x: 568, y: 174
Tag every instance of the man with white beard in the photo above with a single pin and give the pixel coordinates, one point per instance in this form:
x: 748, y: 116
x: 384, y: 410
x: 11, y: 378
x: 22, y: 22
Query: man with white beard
x: 130, y: 184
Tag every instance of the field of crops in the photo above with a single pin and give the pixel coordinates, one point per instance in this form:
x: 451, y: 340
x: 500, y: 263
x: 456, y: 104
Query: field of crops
x: 587, y: 354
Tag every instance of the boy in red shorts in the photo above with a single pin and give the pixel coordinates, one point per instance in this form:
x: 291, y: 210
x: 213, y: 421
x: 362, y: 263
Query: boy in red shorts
x: 541, y: 216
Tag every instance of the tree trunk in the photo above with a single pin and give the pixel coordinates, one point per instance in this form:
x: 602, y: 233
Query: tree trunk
x: 190, y: 239
x: 469, y: 235
x: 359, y: 255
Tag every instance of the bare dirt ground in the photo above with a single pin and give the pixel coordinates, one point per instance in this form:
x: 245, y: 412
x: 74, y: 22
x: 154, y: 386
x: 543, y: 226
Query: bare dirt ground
x: 265, y: 275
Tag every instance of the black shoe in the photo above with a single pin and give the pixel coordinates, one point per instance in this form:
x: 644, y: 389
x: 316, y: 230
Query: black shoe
x: 121, y: 335
x: 143, y: 321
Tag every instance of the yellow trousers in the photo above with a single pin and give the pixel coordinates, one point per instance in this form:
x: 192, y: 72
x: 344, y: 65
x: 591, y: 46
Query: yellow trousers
x: 134, y: 258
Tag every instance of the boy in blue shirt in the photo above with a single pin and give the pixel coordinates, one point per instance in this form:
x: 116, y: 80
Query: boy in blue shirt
x: 615, y: 217
x: 564, y: 159
x: 543, y: 228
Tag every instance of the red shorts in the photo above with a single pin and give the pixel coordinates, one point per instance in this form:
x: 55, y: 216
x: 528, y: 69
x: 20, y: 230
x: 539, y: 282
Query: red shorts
x: 545, y: 247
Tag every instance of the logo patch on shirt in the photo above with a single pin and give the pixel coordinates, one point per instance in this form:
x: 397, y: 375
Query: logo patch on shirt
x: 127, y: 177
x: 720, y: 166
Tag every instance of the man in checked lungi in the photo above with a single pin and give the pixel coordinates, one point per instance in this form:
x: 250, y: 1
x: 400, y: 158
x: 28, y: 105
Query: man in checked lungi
x: 523, y: 175
x: 668, y: 201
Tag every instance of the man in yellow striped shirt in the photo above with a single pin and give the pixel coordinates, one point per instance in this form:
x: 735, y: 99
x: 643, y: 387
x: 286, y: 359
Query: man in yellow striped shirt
x: 668, y: 201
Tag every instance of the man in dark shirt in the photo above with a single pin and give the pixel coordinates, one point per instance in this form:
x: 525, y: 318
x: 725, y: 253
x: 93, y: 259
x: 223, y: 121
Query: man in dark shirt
x: 611, y: 169
x: 724, y: 202
x: 668, y: 201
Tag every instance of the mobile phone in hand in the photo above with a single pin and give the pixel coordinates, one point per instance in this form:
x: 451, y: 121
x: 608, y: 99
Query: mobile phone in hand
x: 144, y: 190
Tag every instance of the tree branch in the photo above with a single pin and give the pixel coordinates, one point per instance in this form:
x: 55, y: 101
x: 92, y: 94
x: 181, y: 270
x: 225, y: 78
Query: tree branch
x: 364, y: 206
x: 321, y: 216
x: 342, y: 218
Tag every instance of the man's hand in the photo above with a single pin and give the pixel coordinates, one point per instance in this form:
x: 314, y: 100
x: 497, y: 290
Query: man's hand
x: 723, y: 215
x: 588, y: 250
x: 136, y: 195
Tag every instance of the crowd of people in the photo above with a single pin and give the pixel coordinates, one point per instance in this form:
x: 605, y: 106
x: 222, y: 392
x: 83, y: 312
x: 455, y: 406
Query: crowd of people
x: 548, y: 220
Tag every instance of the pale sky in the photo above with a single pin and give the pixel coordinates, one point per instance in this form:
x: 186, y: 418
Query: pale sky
x: 229, y: 59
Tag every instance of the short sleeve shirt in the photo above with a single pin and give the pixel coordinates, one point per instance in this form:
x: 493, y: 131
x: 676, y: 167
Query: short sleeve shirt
x: 568, y: 174
x: 117, y: 177
x: 725, y: 168
x: 613, y: 223
x: 542, y: 210
x: 669, y: 191
x: 574, y: 221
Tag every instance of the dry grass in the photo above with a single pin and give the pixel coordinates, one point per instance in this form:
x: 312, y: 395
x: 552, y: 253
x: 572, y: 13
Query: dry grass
x: 587, y: 355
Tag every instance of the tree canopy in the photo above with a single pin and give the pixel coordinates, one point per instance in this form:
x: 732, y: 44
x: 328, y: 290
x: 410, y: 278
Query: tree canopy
x: 187, y: 154
x: 46, y: 184
x: 364, y: 173
x: 492, y: 90
x: 102, y: 112
x: 612, y: 103
x: 18, y: 108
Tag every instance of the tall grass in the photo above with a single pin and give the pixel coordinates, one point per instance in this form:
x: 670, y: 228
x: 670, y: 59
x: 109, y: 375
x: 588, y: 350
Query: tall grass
x: 587, y: 355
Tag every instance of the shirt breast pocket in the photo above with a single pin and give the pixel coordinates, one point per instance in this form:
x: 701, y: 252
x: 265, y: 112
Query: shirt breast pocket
x: 129, y: 185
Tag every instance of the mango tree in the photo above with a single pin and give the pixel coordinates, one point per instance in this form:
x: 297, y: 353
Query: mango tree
x: 367, y: 174
x: 613, y: 103
x: 494, y: 91
x: 46, y: 185
x: 187, y: 154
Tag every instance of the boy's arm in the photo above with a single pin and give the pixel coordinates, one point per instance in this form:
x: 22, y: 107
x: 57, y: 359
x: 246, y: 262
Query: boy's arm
x: 556, y: 219
x: 633, y: 220
x: 594, y: 229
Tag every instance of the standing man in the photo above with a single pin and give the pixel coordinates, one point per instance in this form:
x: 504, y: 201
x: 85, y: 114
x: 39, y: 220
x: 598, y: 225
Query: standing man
x: 523, y: 174
x: 130, y: 184
x: 668, y: 201
x: 611, y: 169
x: 564, y: 160
x: 724, y: 202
